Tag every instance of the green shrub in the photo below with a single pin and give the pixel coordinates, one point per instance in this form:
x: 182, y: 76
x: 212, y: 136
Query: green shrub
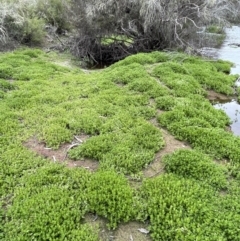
x: 148, y: 86
x: 111, y: 197
x: 25, y: 21
x: 126, y: 160
x: 169, y: 68
x: 215, y: 29
x: 55, y: 13
x: 90, y: 121
x: 194, y: 164
x: 33, y: 31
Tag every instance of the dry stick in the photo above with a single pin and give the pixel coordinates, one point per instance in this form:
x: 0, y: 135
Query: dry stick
x: 95, y: 218
x: 54, y: 159
x: 78, y: 139
x: 63, y: 45
x: 47, y: 148
x: 69, y: 148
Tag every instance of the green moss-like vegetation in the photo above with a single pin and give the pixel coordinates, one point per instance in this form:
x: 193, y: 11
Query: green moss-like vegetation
x: 191, y: 75
x: 116, y: 109
x: 180, y: 209
x: 111, y: 197
x: 193, y: 164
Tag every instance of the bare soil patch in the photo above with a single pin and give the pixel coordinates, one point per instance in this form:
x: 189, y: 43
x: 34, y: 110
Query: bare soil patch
x: 171, y: 145
x: 214, y: 96
x: 60, y: 155
x: 131, y: 231
x: 125, y: 232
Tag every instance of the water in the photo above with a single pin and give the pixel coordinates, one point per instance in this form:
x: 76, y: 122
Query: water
x: 230, y: 51
x: 232, y: 109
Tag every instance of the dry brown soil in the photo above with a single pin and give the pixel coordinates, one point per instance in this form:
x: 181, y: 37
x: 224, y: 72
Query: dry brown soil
x: 60, y: 155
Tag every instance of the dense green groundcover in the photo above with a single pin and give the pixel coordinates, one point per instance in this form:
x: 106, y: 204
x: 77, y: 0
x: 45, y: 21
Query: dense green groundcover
x: 197, y: 198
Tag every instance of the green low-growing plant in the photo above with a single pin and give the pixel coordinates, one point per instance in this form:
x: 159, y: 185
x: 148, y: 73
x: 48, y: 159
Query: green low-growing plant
x: 165, y: 103
x: 52, y: 104
x: 180, y: 209
x: 196, y: 165
x: 229, y: 216
x: 222, y: 66
x: 6, y: 85
x: 199, y: 110
x: 214, y: 141
x: 51, y: 214
x: 49, y: 203
x: 15, y: 66
x: 1, y: 220
x: 126, y: 146
x: 111, y: 197
x: 126, y: 73
x: 190, y: 73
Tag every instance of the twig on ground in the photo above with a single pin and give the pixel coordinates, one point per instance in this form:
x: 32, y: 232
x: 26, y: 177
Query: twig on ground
x: 69, y: 148
x: 54, y: 159
x: 78, y: 139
